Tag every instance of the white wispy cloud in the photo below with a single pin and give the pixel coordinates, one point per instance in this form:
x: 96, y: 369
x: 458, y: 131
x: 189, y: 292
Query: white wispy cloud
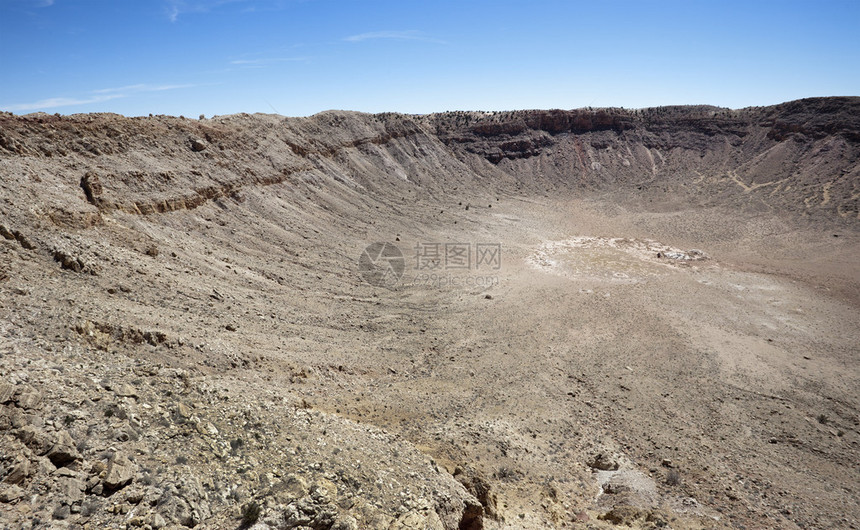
x: 175, y: 8
x: 51, y: 103
x: 267, y: 61
x: 94, y: 96
x: 27, y: 4
x: 393, y: 35
x: 140, y: 88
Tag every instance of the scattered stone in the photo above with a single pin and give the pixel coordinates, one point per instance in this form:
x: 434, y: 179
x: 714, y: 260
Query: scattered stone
x: 29, y: 399
x: 7, y: 392
x: 603, y: 462
x: 92, y: 187
x: 422, y: 518
x: 183, y: 410
x: 120, y: 472
x: 134, y: 494
x: 18, y: 419
x: 207, y: 429
x: 125, y: 390
x: 623, y: 515
x: 177, y: 510
x: 346, y: 522
x: 690, y: 255
x: 184, y: 502
x: 90, y: 506
x: 156, y: 521
x: 197, y: 144
x: 614, y: 488
x: 290, y: 489
x: 98, y: 468
x: 62, y: 512
x: 23, y: 240
x: 64, y: 450
x: 34, y: 438
x: 136, y: 521
x: 6, y: 233
x: 70, y: 490
x: 66, y: 472
x: 315, y: 513
x: 68, y: 262
x: 44, y: 465
x: 19, y: 471
x: 10, y: 493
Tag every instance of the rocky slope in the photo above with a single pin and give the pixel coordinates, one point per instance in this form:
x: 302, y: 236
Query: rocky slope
x: 799, y: 156
x: 187, y: 338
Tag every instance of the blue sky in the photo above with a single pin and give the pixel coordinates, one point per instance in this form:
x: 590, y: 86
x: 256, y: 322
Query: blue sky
x: 299, y: 57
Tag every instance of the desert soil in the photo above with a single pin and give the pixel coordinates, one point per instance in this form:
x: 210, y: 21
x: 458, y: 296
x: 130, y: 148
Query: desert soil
x: 186, y: 332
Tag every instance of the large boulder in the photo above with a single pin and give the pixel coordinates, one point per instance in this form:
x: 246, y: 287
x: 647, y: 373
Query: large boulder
x: 63, y: 451
x: 120, y: 472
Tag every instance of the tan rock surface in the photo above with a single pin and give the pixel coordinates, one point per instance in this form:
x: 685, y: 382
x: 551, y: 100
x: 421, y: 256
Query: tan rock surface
x: 183, y: 319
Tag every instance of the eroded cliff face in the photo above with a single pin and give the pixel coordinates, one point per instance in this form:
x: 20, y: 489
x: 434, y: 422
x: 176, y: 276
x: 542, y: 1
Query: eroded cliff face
x: 799, y: 157
x: 184, y: 332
